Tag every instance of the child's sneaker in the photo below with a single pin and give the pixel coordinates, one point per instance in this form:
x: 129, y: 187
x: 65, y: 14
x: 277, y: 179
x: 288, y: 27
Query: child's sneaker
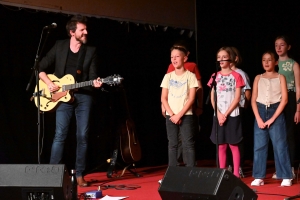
x: 286, y: 182
x: 274, y: 176
x: 257, y: 182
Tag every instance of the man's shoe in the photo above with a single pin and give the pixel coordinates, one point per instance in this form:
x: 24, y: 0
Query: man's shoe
x: 257, y: 182
x: 286, y: 182
x: 81, y: 182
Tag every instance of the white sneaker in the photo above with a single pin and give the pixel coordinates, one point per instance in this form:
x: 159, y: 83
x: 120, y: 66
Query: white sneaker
x: 160, y: 181
x: 257, y: 182
x: 274, y: 176
x: 286, y: 182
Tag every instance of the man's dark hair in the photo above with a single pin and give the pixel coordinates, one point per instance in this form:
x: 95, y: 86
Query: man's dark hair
x: 72, y: 23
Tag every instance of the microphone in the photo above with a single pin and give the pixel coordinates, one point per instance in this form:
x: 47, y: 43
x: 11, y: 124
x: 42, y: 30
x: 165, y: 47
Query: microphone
x: 222, y: 61
x: 51, y: 26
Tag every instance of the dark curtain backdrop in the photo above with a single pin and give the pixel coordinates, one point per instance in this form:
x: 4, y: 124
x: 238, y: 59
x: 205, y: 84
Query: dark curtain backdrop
x: 141, y: 56
x: 135, y: 52
x: 252, y: 29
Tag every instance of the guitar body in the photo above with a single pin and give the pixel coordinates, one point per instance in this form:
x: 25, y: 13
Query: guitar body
x: 48, y: 100
x: 129, y: 144
x: 123, y: 129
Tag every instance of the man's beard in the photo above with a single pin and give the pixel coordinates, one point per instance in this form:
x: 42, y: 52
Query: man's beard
x: 82, y: 41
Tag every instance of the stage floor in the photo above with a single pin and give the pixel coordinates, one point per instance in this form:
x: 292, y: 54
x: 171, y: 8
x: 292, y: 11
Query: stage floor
x: 147, y: 185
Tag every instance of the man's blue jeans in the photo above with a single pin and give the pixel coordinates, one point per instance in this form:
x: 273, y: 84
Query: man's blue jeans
x: 82, y: 107
x: 186, y: 129
x: 277, y: 134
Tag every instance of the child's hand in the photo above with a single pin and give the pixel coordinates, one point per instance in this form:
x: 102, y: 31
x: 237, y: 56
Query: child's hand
x: 269, y: 122
x: 221, y: 118
x: 175, y: 119
x: 260, y: 123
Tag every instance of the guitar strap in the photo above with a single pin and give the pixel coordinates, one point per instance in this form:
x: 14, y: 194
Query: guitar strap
x: 80, y: 62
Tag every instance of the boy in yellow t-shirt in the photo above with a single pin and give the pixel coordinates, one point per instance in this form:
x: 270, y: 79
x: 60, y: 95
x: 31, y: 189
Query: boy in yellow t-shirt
x: 177, y: 97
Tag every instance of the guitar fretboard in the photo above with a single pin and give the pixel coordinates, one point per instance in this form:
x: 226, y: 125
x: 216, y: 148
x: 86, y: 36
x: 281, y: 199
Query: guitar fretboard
x: 77, y: 85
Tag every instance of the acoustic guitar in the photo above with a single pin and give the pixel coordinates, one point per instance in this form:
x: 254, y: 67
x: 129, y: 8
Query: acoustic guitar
x: 129, y: 144
x: 50, y: 100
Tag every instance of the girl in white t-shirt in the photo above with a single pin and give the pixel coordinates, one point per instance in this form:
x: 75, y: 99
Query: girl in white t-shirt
x: 227, y: 122
x: 177, y: 97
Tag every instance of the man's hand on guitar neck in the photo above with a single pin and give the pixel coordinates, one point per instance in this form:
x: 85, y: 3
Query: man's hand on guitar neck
x: 97, y: 82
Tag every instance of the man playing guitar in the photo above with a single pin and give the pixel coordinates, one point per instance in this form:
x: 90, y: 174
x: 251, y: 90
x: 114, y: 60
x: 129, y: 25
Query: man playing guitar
x: 72, y: 56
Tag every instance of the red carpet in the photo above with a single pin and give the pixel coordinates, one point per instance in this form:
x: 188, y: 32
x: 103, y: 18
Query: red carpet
x: 150, y: 175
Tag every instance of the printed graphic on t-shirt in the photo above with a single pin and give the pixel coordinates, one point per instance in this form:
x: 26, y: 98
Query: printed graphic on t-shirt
x: 225, y: 88
x: 286, y: 69
x: 178, y: 86
x: 288, y: 66
x: 225, y: 83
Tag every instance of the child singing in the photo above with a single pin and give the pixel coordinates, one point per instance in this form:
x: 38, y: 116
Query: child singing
x: 227, y: 122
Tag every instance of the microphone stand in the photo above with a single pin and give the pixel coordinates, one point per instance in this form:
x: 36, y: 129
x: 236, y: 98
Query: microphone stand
x: 214, y: 86
x: 35, y: 72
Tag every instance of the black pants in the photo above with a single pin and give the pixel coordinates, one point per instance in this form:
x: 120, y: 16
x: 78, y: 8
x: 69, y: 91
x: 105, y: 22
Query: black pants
x: 289, y: 113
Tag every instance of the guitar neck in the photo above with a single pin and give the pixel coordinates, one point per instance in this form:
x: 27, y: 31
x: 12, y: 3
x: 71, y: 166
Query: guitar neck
x: 111, y: 80
x: 77, y: 85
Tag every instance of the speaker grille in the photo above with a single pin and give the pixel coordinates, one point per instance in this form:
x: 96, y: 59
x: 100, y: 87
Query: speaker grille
x: 202, y: 183
x: 17, y: 181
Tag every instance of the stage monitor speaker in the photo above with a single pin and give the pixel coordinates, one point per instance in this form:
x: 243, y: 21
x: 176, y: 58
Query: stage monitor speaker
x: 24, y: 182
x: 203, y: 183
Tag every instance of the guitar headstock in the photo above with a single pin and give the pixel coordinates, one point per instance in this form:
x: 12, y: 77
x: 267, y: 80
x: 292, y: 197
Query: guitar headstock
x: 112, y: 80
